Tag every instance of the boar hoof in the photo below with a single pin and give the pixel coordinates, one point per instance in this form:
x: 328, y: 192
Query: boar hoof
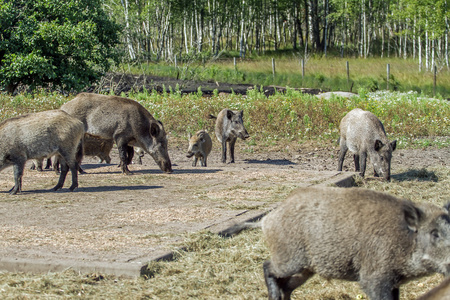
x: 57, y: 187
x: 14, y: 190
x: 73, y: 187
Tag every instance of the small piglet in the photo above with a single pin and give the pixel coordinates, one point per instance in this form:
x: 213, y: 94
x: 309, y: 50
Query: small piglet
x: 200, y: 146
x: 354, y: 234
x: 363, y: 134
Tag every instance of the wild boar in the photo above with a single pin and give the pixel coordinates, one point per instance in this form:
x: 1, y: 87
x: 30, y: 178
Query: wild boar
x: 229, y: 126
x: 363, y: 134
x: 38, y: 163
x: 441, y: 292
x: 354, y: 234
x: 200, y: 146
x: 125, y: 121
x: 40, y: 135
x: 140, y: 153
x: 101, y: 148
x: 92, y: 146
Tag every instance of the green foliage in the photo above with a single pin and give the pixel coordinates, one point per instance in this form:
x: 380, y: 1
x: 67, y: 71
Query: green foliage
x: 59, y: 43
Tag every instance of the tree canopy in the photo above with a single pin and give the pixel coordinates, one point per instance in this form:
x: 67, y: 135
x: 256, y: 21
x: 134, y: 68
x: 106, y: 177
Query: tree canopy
x: 64, y: 44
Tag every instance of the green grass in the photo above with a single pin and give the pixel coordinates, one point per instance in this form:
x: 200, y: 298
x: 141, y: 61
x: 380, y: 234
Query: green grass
x: 413, y: 119
x: 325, y: 73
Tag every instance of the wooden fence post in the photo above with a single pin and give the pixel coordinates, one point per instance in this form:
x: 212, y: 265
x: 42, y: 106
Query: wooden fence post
x: 273, y: 67
x: 348, y: 77
x: 303, y: 69
x: 434, y: 81
x: 388, y: 70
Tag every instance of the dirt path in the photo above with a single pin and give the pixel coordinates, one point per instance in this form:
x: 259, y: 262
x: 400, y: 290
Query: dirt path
x: 127, y: 220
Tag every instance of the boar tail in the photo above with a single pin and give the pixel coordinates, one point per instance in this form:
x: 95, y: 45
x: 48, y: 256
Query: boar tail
x: 235, y: 229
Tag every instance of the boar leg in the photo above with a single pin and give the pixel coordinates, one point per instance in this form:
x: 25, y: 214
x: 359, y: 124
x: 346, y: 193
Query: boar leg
x: 49, y: 163
x: 342, y: 152
x: 73, y: 169
x: 224, y: 150
x: 356, y: 160
x: 282, y: 288
x: 203, y: 161
x: 362, y: 163
x: 124, y: 154
x: 62, y: 174
x: 130, y: 154
x: 232, y: 143
x: 271, y: 282
x: 18, y: 174
x: 194, y: 161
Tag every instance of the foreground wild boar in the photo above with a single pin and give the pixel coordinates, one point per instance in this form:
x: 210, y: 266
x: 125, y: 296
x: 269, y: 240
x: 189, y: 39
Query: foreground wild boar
x: 441, y: 292
x: 229, y: 126
x: 40, y: 135
x: 363, y: 134
x: 200, y: 146
x: 125, y: 121
x: 354, y: 234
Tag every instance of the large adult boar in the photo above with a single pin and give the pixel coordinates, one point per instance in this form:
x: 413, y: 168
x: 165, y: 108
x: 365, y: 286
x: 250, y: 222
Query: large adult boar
x: 200, y: 146
x: 40, y: 135
x: 354, y: 234
x: 363, y: 134
x: 229, y: 126
x: 125, y: 121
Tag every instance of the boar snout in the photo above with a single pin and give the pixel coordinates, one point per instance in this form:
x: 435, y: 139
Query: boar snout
x: 190, y: 154
x: 166, y: 167
x: 245, y: 135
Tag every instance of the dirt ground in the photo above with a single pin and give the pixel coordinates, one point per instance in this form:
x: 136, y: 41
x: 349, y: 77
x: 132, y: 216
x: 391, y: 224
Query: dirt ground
x: 115, y: 223
x: 127, y: 220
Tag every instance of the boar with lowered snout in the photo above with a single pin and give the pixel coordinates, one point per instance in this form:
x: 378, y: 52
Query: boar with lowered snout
x: 229, y: 126
x: 125, y: 121
x: 354, y: 234
x: 40, y: 135
x: 200, y: 146
x: 363, y: 134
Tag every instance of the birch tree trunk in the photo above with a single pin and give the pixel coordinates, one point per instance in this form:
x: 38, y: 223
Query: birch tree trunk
x: 130, y: 48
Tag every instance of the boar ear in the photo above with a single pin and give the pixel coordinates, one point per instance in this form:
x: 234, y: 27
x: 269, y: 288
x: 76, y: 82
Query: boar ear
x: 189, y: 135
x: 154, y: 130
x: 229, y: 114
x: 241, y: 113
x: 413, y: 216
x: 394, y: 145
x: 378, y: 145
x: 447, y: 207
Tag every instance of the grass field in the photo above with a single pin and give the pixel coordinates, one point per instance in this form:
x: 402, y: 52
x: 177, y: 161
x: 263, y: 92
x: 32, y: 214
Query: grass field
x: 329, y: 74
x: 412, y: 118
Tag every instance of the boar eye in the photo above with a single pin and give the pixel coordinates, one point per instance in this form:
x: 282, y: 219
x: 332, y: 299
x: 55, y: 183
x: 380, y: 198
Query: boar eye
x: 435, y: 234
